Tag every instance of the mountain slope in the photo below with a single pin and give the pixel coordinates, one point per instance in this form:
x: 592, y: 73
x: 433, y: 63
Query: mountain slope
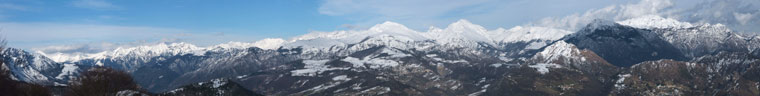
x: 215, y: 87
x: 721, y: 74
x: 561, y: 68
x: 623, y: 45
x: 35, y: 68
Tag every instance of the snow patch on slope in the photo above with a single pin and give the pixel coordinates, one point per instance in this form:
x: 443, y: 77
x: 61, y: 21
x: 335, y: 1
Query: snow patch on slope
x: 337, y: 80
x: 377, y: 90
x: 619, y: 83
x: 535, y: 45
x: 543, y: 68
x: 371, y: 62
x: 218, y: 83
x: 313, y: 67
x: 341, y: 78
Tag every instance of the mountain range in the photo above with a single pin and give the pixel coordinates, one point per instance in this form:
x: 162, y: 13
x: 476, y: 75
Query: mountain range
x: 649, y: 55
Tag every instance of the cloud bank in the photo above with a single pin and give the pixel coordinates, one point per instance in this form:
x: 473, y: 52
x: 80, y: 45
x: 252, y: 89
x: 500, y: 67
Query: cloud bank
x: 740, y: 15
x: 613, y: 12
x: 421, y: 14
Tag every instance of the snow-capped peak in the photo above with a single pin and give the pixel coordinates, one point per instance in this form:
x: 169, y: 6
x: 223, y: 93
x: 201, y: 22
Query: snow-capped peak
x: 164, y: 49
x: 465, y: 26
x: 654, y: 21
x: 326, y: 35
x: 527, y: 33
x: 269, y: 43
x: 434, y: 29
x: 559, y: 49
x: 156, y: 50
x: 461, y: 33
x: 146, y: 50
x: 389, y: 26
x: 61, y: 57
x: 233, y: 45
x: 393, y: 29
x: 460, y: 30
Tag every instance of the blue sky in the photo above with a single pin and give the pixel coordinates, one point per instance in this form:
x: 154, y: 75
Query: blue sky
x: 249, y: 19
x: 31, y: 24
x: 234, y: 16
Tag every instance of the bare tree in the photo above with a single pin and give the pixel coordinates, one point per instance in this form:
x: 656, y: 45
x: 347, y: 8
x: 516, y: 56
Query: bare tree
x: 5, y: 80
x: 8, y: 87
x: 102, y: 81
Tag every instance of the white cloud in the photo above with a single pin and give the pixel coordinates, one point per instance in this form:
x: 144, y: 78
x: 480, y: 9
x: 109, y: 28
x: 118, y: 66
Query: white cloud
x: 613, y: 12
x: 421, y: 14
x: 95, y: 4
x: 564, y: 14
x: 739, y: 15
x: 743, y: 18
x: 644, y: 7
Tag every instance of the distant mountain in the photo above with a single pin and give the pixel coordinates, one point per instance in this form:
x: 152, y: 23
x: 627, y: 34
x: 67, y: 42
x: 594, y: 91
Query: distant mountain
x: 623, y: 45
x: 561, y: 68
x: 650, y: 55
x: 696, y: 40
x: 35, y: 68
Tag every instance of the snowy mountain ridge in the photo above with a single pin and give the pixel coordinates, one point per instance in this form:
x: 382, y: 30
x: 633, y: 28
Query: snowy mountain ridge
x: 460, y: 33
x: 147, y: 51
x: 695, y: 39
x: 30, y: 67
x: 654, y: 21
